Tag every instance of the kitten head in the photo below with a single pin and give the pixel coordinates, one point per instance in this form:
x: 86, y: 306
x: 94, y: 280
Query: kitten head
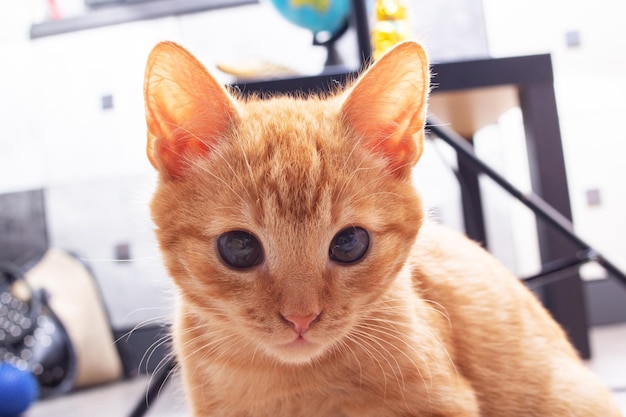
x: 283, y: 220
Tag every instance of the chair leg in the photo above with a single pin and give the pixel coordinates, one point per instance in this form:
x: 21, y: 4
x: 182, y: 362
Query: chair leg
x: 542, y: 209
x: 158, y: 380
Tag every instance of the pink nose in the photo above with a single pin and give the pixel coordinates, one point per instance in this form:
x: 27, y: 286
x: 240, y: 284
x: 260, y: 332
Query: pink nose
x: 301, y: 324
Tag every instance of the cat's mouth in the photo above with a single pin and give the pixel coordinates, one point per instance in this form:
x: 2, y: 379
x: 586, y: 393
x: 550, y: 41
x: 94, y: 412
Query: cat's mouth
x: 300, y: 350
x: 299, y: 341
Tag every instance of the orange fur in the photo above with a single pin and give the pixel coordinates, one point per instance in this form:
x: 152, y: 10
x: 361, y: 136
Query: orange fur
x: 426, y: 323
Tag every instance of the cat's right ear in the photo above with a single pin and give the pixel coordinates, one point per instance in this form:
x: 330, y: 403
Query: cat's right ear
x: 187, y: 110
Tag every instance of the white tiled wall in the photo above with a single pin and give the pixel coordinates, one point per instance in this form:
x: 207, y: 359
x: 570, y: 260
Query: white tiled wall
x: 92, y: 218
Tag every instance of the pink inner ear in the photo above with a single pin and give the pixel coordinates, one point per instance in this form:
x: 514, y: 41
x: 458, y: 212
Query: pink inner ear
x: 173, y: 138
x: 172, y: 153
x: 400, y: 150
x: 398, y: 140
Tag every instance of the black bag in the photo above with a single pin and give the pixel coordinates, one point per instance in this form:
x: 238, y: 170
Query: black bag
x: 31, y: 335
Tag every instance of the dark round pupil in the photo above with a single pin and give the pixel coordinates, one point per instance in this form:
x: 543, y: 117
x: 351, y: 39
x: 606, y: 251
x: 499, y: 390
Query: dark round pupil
x: 239, y: 249
x: 349, y: 245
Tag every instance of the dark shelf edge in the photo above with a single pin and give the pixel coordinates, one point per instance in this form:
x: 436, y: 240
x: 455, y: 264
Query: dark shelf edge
x: 113, y: 15
x: 451, y: 76
x: 490, y: 72
x: 329, y: 81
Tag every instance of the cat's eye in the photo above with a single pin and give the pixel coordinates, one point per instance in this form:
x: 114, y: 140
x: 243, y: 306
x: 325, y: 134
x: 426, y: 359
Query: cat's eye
x: 349, y: 245
x: 240, y: 249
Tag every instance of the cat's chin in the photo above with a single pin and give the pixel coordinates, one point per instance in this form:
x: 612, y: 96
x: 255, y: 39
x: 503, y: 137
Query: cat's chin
x: 297, y: 352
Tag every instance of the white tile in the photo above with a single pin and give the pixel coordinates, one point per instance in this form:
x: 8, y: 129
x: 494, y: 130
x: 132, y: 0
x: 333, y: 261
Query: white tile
x: 91, y: 218
x: 621, y: 401
x: 117, y: 399
x: 608, y: 344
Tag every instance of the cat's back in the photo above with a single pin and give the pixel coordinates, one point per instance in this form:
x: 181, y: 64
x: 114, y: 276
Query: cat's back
x: 480, y: 296
x: 495, y: 329
x: 443, y: 259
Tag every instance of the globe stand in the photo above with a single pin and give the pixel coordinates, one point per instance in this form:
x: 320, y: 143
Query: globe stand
x: 332, y: 56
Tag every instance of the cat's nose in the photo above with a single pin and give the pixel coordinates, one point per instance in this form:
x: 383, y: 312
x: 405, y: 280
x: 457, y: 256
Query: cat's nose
x: 301, y: 324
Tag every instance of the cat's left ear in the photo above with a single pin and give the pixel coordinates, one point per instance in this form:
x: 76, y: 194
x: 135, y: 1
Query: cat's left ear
x: 387, y: 106
x: 187, y: 110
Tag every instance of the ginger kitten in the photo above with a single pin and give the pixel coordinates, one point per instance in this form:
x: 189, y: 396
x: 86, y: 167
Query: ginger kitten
x: 309, y: 283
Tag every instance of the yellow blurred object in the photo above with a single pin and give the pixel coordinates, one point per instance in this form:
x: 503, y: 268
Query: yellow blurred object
x: 391, y: 25
x: 317, y: 5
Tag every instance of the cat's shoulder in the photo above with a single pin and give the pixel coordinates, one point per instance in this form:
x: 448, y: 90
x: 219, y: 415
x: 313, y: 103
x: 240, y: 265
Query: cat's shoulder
x: 441, y: 240
x: 442, y: 255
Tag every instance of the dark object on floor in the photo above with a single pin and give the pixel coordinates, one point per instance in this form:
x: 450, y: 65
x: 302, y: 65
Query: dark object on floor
x: 32, y: 338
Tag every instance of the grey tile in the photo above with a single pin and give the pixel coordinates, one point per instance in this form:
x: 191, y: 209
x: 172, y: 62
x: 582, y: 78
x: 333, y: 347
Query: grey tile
x: 608, y: 344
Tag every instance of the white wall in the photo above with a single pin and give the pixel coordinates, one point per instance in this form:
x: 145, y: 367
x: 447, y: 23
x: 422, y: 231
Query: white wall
x: 590, y: 85
x: 52, y: 88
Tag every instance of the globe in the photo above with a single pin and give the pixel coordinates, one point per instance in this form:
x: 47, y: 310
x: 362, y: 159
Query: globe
x: 315, y: 15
